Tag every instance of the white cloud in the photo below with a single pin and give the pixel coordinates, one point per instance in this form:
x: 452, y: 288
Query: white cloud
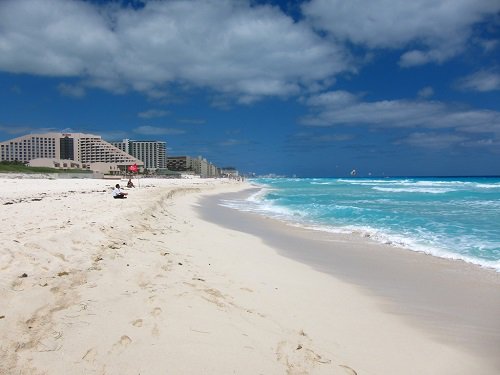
x: 482, y: 81
x: 191, y: 121
x: 398, y: 113
x: 16, y: 89
x: 153, y: 113
x: 417, y: 123
x: 439, y: 141
x: 155, y: 130
x: 306, y: 137
x: 489, y: 45
x: 432, y: 140
x: 53, y: 38
x: 333, y: 99
x: 492, y: 144
x: 111, y: 135
x: 224, y: 45
x: 232, y: 142
x: 426, y: 92
x: 15, y: 129
x: 74, y: 91
x: 440, y: 29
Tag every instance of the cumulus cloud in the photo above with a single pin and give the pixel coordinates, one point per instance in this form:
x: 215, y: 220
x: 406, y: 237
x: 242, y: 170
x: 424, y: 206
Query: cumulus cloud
x: 253, y: 52
x: 191, y: 121
x: 440, y: 29
x: 15, y: 129
x: 489, y: 45
x: 416, y: 123
x: 313, y: 138
x: 156, y: 130
x: 426, y: 92
x: 482, y: 81
x: 439, y: 141
x: 333, y: 99
x: 111, y: 135
x: 232, y: 142
x: 153, y: 113
x: 351, y: 110
x: 432, y: 140
x: 16, y: 90
x: 53, y: 38
x: 74, y: 91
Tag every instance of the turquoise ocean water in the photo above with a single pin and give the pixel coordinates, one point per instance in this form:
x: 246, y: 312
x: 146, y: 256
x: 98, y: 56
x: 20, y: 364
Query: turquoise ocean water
x: 457, y: 218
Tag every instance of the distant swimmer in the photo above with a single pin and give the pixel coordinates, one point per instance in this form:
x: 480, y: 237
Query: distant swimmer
x: 353, y: 172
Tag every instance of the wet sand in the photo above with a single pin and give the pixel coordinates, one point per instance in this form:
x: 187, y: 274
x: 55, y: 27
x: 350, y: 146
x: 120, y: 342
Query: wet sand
x: 452, y: 301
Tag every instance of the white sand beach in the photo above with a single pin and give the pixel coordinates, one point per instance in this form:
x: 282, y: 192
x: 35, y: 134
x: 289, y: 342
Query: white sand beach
x: 147, y: 285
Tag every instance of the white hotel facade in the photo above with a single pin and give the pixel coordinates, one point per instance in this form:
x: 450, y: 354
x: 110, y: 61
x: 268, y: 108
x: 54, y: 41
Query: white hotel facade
x: 67, y: 150
x: 152, y: 153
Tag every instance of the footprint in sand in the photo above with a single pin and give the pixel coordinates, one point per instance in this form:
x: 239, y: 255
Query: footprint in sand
x: 137, y: 323
x: 124, y: 341
x: 156, y: 311
x: 348, y: 370
x: 121, y: 344
x: 155, y: 331
x: 299, y: 357
x: 90, y: 355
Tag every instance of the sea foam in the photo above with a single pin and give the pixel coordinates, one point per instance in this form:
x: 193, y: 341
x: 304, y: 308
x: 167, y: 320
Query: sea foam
x: 448, y: 218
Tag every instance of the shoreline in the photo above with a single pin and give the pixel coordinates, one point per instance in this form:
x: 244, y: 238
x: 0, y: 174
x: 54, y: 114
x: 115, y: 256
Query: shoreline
x: 451, y: 300
x: 91, y: 285
x: 469, y: 246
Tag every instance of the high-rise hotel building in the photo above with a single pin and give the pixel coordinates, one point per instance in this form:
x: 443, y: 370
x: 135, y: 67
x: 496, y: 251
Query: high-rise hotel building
x: 198, y: 166
x: 84, y: 148
x: 152, y: 153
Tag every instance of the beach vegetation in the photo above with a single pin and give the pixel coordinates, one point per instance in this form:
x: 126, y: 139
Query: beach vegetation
x: 20, y: 167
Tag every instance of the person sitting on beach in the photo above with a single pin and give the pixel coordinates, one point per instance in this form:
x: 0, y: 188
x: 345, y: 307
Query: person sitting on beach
x: 130, y: 184
x: 118, y: 193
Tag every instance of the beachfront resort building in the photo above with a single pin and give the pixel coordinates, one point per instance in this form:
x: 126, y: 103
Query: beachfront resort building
x: 229, y: 172
x: 152, y: 153
x: 67, y: 150
x: 196, y: 166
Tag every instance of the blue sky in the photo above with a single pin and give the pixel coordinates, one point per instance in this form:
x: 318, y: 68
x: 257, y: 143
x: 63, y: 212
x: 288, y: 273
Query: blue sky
x: 311, y: 88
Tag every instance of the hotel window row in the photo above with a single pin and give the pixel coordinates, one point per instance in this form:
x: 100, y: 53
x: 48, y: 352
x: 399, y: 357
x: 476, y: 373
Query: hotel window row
x: 152, y: 153
x: 24, y: 150
x: 79, y: 147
